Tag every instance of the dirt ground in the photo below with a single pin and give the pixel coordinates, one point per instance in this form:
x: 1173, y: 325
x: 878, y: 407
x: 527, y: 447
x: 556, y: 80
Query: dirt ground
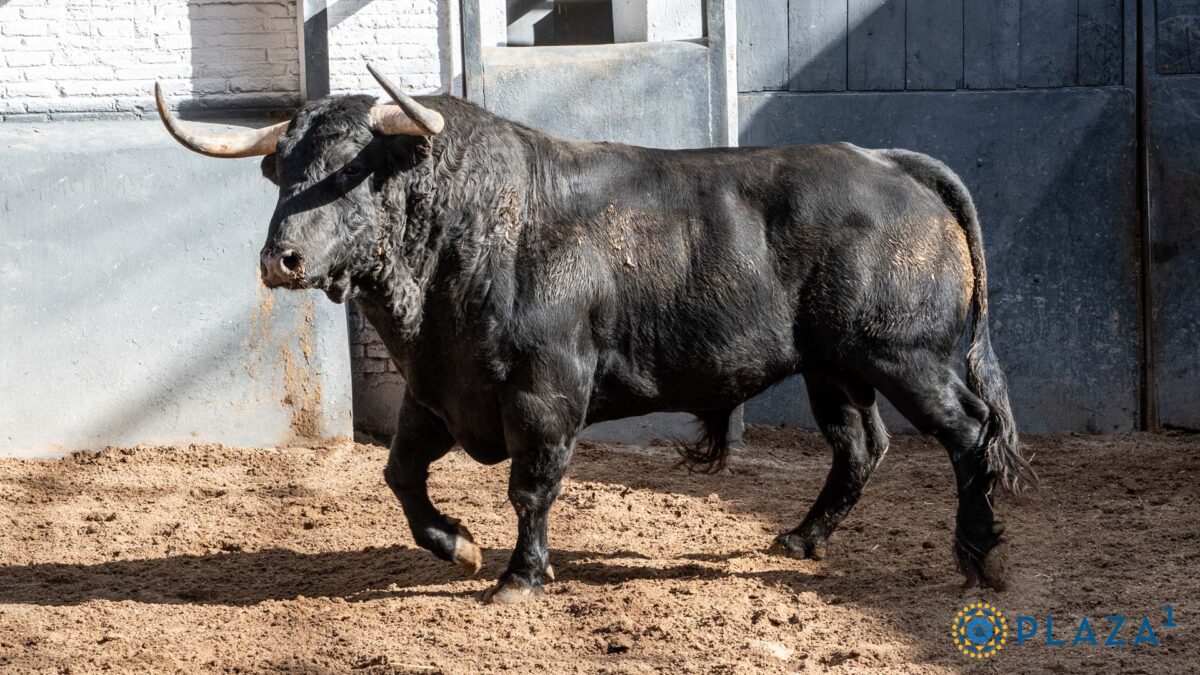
x: 209, y: 558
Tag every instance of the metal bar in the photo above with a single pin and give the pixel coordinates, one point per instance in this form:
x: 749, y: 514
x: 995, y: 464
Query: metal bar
x: 472, y: 49
x: 1149, y: 397
x: 314, y: 49
x: 721, y: 16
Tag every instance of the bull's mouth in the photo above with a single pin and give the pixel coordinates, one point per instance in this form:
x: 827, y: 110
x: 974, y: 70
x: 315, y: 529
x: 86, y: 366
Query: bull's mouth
x: 337, y: 287
x: 335, y: 284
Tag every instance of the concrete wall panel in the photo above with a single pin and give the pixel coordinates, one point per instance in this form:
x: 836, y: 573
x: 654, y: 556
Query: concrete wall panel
x: 131, y: 310
x: 602, y: 92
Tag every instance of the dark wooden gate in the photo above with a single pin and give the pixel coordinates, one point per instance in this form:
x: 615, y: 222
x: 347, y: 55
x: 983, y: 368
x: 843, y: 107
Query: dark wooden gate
x: 1034, y: 103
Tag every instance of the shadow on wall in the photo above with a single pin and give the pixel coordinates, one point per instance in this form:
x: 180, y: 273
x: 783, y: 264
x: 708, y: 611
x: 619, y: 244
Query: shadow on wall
x: 244, y: 58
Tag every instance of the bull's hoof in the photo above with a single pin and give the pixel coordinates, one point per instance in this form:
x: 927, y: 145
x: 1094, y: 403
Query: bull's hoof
x: 510, y: 591
x: 989, y: 569
x: 467, y: 553
x: 797, y: 546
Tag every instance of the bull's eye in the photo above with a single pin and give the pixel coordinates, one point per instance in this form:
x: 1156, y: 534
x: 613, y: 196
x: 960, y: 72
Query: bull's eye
x: 352, y: 171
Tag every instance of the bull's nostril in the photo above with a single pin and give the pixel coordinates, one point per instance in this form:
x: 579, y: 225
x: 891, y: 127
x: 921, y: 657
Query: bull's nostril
x: 291, y: 261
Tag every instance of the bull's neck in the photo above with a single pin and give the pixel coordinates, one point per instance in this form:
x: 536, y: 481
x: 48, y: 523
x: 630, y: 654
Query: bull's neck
x: 461, y: 214
x: 444, y: 209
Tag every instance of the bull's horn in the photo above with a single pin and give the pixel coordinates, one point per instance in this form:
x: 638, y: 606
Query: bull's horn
x: 428, y: 122
x: 391, y: 120
x: 249, y: 143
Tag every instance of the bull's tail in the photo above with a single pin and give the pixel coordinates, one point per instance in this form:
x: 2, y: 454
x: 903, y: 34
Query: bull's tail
x: 984, y: 377
x: 708, y: 453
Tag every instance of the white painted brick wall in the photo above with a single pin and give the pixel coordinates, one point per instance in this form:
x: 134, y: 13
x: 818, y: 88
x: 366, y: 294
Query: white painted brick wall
x: 406, y: 39
x: 100, y: 58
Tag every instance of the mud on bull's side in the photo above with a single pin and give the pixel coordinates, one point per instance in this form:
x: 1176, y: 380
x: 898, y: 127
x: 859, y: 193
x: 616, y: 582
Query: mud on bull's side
x: 528, y: 286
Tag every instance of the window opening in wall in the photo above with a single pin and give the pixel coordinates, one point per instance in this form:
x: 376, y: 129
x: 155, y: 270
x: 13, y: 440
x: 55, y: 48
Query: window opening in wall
x: 537, y: 23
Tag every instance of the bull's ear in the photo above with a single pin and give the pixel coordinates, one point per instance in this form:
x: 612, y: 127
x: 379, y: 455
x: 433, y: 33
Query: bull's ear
x: 268, y: 168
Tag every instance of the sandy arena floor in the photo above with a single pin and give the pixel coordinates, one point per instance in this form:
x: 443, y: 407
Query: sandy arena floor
x: 218, y: 559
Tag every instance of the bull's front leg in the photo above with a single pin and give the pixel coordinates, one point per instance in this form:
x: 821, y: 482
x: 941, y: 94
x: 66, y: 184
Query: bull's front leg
x: 421, y: 439
x: 540, y: 434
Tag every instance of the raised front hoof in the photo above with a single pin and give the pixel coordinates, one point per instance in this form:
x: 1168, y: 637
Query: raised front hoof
x: 798, y: 546
x: 510, y: 591
x: 467, y: 554
x: 989, y: 570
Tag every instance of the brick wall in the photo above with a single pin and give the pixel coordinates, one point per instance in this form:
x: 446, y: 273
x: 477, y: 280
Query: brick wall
x: 100, y: 58
x: 405, y: 38
x: 369, y: 356
x: 66, y: 59
x: 375, y: 380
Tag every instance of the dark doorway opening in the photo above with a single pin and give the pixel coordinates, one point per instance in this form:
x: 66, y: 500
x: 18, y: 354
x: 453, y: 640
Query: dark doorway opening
x: 538, y: 23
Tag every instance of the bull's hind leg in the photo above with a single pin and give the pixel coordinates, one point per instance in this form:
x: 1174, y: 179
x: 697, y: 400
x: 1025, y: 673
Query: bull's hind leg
x: 937, y: 403
x: 421, y: 439
x: 852, y: 426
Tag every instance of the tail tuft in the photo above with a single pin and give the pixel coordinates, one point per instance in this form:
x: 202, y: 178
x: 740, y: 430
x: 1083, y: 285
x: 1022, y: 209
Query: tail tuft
x: 984, y: 377
x: 709, y: 452
x: 1001, y: 446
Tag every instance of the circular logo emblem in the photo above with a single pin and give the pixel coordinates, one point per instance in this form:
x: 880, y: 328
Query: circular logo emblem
x: 979, y: 630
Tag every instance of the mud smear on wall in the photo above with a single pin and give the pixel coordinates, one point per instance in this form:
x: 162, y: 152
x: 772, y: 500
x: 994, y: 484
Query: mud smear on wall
x: 301, y: 383
x: 296, y: 348
x: 260, y: 330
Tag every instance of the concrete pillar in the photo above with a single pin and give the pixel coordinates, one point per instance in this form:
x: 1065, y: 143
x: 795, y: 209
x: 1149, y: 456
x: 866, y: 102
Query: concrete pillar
x: 657, y: 20
x: 493, y: 23
x: 312, y: 25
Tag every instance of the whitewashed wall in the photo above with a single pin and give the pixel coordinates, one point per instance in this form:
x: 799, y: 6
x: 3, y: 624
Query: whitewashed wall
x: 412, y: 40
x: 64, y: 59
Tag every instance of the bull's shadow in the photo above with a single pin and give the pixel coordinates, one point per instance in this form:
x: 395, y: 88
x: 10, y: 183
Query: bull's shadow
x: 247, y: 578
x: 232, y: 578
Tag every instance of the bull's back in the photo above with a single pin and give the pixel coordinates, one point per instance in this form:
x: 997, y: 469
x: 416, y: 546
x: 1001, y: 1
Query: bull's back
x: 730, y: 274
x: 884, y: 261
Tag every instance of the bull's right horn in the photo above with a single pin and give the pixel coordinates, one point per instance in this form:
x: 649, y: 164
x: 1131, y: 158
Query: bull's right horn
x: 249, y: 143
x: 429, y: 122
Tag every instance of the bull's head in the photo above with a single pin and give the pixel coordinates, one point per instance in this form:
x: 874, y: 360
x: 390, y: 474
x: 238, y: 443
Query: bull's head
x: 328, y: 162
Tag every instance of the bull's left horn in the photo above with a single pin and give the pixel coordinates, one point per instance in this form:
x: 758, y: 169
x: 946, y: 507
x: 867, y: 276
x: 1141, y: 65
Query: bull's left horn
x: 428, y: 122
x: 249, y: 143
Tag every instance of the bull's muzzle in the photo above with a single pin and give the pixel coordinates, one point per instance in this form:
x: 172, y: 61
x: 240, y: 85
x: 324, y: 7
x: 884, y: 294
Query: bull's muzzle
x: 281, y: 268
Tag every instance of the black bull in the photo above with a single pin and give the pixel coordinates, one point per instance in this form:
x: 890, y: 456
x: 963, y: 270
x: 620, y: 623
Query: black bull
x: 528, y: 286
